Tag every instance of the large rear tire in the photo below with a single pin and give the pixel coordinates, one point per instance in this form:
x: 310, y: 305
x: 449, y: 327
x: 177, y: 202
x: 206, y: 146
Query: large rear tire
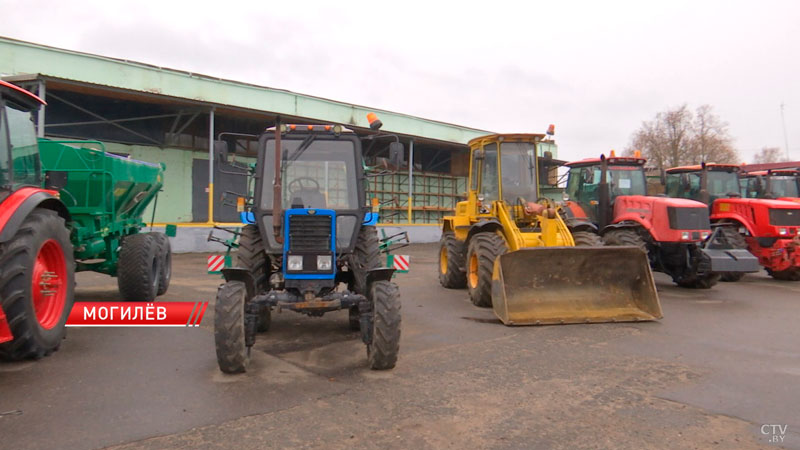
x: 586, y: 239
x: 625, y: 236
x: 233, y: 356
x: 253, y: 257
x: 382, y: 351
x: 165, y: 253
x: 138, y: 268
x: 737, y: 241
x: 484, y: 248
x: 37, y: 280
x: 451, y: 262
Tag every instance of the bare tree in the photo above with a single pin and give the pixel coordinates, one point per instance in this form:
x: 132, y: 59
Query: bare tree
x: 769, y: 155
x: 677, y: 136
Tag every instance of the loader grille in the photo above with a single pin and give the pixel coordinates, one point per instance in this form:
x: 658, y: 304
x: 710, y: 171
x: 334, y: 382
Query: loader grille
x: 309, y: 233
x: 784, y: 217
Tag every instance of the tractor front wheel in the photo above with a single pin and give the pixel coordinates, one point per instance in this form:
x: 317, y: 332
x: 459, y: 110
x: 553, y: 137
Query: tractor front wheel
x: 791, y: 274
x: 253, y: 257
x: 139, y: 268
x: 233, y: 355
x: 37, y: 280
x: 451, y: 262
x: 484, y: 249
x: 385, y: 343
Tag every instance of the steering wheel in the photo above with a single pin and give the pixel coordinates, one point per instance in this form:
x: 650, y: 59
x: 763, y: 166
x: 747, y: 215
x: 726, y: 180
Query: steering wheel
x: 301, y: 185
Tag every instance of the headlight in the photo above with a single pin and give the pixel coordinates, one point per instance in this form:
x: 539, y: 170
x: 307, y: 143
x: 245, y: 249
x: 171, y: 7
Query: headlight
x: 782, y: 231
x: 324, y: 262
x: 704, y: 235
x: 295, y: 262
x: 685, y: 235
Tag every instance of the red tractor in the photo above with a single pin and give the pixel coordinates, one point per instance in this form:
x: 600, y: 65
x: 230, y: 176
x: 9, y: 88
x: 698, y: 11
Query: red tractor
x: 36, y: 261
x: 611, y: 193
x: 781, y: 184
x: 769, y: 228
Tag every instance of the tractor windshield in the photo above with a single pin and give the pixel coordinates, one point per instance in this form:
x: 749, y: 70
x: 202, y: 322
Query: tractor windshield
x: 784, y: 186
x: 517, y: 170
x: 322, y: 175
x: 721, y: 183
x: 583, y: 182
x: 19, y: 154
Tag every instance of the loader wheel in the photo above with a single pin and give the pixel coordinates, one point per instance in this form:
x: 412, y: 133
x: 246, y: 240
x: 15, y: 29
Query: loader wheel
x: 792, y: 274
x: 736, y: 240
x: 232, y: 354
x: 382, y: 350
x: 451, y: 262
x: 586, y: 239
x: 366, y: 256
x: 253, y: 257
x: 484, y: 248
x: 138, y: 268
x: 625, y: 236
x: 37, y: 280
x: 165, y: 252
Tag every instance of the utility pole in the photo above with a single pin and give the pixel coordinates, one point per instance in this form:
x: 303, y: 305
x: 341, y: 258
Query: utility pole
x: 785, y: 136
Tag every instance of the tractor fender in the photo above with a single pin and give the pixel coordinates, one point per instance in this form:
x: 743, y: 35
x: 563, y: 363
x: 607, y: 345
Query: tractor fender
x: 623, y: 225
x: 732, y: 219
x: 21, y: 203
x: 576, y: 224
x: 379, y: 274
x: 484, y: 225
x: 243, y: 275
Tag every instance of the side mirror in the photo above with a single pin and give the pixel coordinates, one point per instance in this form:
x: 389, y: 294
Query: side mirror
x: 397, y: 154
x: 221, y: 150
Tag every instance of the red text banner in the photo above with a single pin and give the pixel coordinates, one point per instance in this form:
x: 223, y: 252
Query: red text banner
x: 137, y: 314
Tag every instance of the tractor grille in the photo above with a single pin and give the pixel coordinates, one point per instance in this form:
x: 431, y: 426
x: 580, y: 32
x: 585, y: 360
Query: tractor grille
x: 681, y: 218
x: 784, y: 217
x: 309, y: 233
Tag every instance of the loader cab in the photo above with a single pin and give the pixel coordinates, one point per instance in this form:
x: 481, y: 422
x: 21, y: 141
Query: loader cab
x: 503, y: 167
x: 625, y: 176
x: 19, y: 152
x: 705, y: 183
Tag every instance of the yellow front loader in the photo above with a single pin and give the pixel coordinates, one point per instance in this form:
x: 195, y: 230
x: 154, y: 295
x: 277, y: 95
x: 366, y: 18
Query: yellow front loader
x: 513, y: 251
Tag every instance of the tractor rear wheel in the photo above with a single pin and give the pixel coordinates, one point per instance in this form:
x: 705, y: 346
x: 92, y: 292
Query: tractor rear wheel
x: 229, y: 332
x: 253, y: 257
x: 586, y: 239
x: 736, y: 240
x: 165, y: 253
x: 385, y: 343
x: 139, y: 268
x: 625, y: 236
x: 484, y: 248
x: 37, y: 280
x: 451, y: 262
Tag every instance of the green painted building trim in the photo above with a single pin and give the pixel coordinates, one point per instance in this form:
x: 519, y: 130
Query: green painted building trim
x: 19, y: 57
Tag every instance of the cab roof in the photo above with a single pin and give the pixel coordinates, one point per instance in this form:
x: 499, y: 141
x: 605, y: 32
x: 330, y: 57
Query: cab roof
x: 20, y: 96
x: 513, y: 137
x: 711, y: 166
x: 615, y: 161
x: 783, y: 172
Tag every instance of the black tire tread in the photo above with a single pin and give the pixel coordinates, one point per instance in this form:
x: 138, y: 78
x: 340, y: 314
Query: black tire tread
x: 253, y: 256
x: 586, y: 239
x: 229, y: 340
x: 625, y: 236
x: 16, y: 259
x: 488, y: 246
x: 165, y: 271
x: 134, y: 275
x: 455, y: 277
x: 366, y: 255
x: 382, y: 351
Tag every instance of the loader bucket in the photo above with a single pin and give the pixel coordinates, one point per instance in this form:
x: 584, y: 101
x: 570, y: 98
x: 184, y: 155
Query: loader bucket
x: 560, y: 285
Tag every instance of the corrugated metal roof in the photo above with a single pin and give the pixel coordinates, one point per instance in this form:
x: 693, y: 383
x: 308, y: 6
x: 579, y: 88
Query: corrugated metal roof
x: 19, y: 57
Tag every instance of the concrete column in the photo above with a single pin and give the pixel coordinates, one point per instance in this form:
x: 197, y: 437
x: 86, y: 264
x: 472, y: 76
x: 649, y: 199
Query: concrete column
x: 211, y: 166
x: 410, y: 181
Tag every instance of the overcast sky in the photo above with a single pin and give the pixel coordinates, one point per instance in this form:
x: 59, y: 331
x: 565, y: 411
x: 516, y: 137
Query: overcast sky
x: 595, y: 69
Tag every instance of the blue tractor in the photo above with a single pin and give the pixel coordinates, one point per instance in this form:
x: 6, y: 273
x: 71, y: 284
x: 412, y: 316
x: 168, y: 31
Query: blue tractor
x: 309, y: 244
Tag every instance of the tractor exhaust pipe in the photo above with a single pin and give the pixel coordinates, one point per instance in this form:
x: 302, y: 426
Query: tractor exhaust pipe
x: 277, y: 208
x: 603, y: 195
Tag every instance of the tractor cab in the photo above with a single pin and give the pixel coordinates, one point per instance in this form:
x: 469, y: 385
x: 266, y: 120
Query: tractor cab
x: 783, y: 184
x: 625, y: 176
x: 705, y: 183
x: 19, y: 154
